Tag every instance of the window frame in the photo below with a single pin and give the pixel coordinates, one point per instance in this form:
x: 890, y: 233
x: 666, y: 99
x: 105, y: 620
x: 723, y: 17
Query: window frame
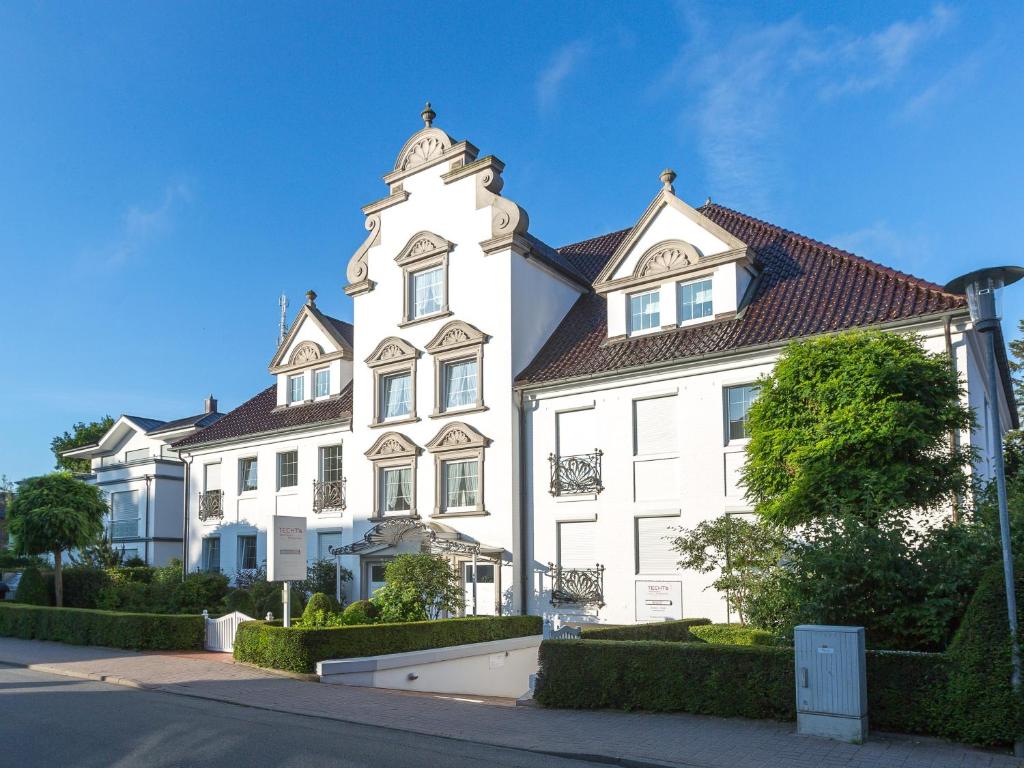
x: 317, y: 372
x: 630, y: 330
x: 392, y: 356
x: 382, y: 400
x: 280, y: 463
x: 440, y: 267
x: 382, y: 474
x: 204, y: 556
x: 424, y: 251
x: 289, y: 381
x: 679, y: 300
x: 457, y: 341
x: 321, y: 450
x: 392, y: 450
x: 240, y: 539
x: 457, y: 441
x: 241, y: 474
x: 727, y: 431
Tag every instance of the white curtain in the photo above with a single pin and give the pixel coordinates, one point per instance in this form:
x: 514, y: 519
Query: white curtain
x: 427, y: 287
x: 397, y: 396
x: 397, y: 489
x: 461, y: 483
x: 460, y: 384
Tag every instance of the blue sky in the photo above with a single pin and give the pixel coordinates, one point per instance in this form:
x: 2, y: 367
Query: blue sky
x: 167, y: 169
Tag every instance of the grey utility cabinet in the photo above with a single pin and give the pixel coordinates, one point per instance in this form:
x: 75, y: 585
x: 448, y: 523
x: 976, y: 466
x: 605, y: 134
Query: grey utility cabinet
x: 831, y: 682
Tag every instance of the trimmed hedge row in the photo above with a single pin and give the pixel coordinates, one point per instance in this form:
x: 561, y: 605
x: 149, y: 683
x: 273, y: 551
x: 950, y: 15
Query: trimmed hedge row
x: 905, y: 690
x: 83, y: 626
x: 295, y: 649
x: 733, y: 634
x: 675, y: 631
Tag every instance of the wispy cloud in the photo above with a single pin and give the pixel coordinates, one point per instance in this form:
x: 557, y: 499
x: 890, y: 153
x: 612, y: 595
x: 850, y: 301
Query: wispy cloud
x: 564, y: 63
x: 742, y: 91
x: 141, y: 225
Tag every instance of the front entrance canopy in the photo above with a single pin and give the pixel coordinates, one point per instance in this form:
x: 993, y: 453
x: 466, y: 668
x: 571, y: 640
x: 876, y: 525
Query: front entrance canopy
x: 434, y: 537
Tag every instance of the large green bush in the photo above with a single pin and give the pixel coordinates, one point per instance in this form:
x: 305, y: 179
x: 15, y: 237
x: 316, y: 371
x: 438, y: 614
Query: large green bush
x: 733, y: 634
x: 297, y: 649
x: 83, y: 584
x: 32, y: 589
x: 677, y: 631
x: 79, y: 626
x: 360, y: 612
x: 905, y: 691
x: 419, y: 587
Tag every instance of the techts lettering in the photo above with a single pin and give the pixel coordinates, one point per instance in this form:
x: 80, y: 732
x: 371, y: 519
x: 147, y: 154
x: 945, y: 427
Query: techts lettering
x: 286, y: 531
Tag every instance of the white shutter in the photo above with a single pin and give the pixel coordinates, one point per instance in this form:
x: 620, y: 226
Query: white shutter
x: 212, y: 479
x: 654, y: 545
x: 577, y: 432
x: 656, y: 480
x: 125, y: 505
x: 577, y: 545
x: 654, y: 425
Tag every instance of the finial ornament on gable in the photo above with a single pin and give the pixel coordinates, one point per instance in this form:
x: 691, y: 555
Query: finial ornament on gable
x: 310, y: 298
x: 667, y: 177
x: 428, y: 115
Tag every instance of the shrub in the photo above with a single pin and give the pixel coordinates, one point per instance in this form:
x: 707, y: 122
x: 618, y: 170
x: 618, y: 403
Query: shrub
x: 418, y: 587
x: 298, y: 649
x: 321, y: 577
x: 733, y: 634
x: 135, y: 562
x: 130, y: 596
x: 241, y: 600
x: 676, y: 631
x: 360, y: 612
x: 321, y: 603
x: 83, y: 584
x: 981, y: 707
x: 32, y: 589
x: 79, y: 626
x: 142, y: 574
x: 905, y: 691
x: 198, y: 592
x: 728, y: 681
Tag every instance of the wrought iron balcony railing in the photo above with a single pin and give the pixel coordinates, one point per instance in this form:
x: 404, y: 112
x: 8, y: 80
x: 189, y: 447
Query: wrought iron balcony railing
x: 577, y: 586
x: 211, y: 505
x: 578, y: 474
x: 328, y: 494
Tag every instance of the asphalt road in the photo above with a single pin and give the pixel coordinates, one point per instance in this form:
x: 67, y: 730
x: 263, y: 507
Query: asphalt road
x: 49, y: 720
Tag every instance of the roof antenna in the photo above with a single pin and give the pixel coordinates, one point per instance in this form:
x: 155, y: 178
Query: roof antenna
x: 282, y: 302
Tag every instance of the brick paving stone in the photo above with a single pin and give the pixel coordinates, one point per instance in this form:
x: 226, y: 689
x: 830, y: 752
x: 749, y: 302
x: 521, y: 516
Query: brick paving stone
x: 689, y: 741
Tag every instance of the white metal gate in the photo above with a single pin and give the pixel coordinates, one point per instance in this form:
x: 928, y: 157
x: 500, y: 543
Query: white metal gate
x: 220, y: 633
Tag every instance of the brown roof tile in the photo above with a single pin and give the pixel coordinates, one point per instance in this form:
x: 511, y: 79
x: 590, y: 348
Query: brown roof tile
x: 805, y: 287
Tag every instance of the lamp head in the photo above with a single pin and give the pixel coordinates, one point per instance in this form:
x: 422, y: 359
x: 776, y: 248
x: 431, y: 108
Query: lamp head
x: 983, y: 288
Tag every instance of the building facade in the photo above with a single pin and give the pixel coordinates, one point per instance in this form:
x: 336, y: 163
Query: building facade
x: 143, y: 480
x: 544, y: 417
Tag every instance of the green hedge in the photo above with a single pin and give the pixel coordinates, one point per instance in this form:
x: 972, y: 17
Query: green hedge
x: 676, y: 631
x: 906, y: 691
x: 295, y: 649
x: 733, y: 634
x: 81, y: 626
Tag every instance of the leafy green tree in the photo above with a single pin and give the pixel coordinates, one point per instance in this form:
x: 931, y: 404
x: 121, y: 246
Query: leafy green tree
x: 82, y: 434
x: 744, y: 553
x: 418, y: 587
x: 1017, y: 365
x: 55, y: 513
x: 855, y: 424
x: 100, y: 553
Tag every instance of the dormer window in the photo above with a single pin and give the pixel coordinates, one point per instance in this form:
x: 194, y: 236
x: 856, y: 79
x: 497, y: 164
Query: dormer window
x: 297, y: 388
x: 695, y: 300
x: 322, y: 382
x: 644, y: 312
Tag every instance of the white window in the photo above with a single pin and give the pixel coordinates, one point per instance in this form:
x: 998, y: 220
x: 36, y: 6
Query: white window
x: 578, y: 432
x: 644, y: 311
x: 460, y: 384
x: 287, y: 469
x: 211, y: 554
x: 325, y: 540
x: 247, y: 474
x: 322, y: 382
x: 577, y: 545
x: 246, y: 553
x: 211, y: 477
x: 396, y: 490
x: 654, y: 552
x: 396, y: 396
x: 695, y: 300
x: 461, y: 484
x: 330, y: 463
x: 426, y: 295
x: 737, y: 406
x: 297, y: 388
x: 654, y: 425
x: 124, y: 507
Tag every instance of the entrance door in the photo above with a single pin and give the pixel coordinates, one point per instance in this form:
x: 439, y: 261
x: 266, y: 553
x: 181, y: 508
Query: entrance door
x: 374, y: 577
x: 485, y: 600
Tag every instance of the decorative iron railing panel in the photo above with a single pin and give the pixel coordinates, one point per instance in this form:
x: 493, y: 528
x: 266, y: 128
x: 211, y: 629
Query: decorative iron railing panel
x: 577, y: 474
x: 577, y: 586
x: 328, y: 494
x: 211, y: 505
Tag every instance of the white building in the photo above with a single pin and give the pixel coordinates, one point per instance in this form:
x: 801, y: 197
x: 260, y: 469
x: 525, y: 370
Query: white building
x: 143, y: 478
x: 548, y: 414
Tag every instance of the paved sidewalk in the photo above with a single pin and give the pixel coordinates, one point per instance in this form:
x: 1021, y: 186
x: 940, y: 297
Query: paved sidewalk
x: 687, y: 741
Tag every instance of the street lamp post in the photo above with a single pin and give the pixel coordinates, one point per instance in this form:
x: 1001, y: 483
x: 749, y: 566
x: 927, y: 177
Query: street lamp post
x: 983, y: 288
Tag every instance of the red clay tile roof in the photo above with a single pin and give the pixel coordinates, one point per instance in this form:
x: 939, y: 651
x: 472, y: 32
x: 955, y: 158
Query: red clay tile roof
x: 806, y: 287
x: 261, y: 414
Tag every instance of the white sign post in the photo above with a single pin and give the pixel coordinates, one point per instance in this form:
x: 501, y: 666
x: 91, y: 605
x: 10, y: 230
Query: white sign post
x: 286, y: 556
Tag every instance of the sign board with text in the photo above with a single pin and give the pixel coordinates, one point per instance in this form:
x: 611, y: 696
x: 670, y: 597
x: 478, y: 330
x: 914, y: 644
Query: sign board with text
x: 659, y: 600
x: 286, y: 548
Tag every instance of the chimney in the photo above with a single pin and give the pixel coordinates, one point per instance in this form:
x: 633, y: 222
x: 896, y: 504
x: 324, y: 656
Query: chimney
x: 211, y: 404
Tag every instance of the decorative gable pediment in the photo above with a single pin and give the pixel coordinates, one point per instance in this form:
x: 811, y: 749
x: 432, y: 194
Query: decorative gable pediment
x: 455, y: 335
x: 423, y: 245
x: 671, y: 238
x: 392, y: 350
x: 312, y: 337
x: 392, y: 445
x: 455, y: 437
x: 305, y: 352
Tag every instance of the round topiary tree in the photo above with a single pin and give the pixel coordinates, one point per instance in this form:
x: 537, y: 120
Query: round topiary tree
x: 32, y: 589
x: 360, y: 612
x: 322, y: 603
